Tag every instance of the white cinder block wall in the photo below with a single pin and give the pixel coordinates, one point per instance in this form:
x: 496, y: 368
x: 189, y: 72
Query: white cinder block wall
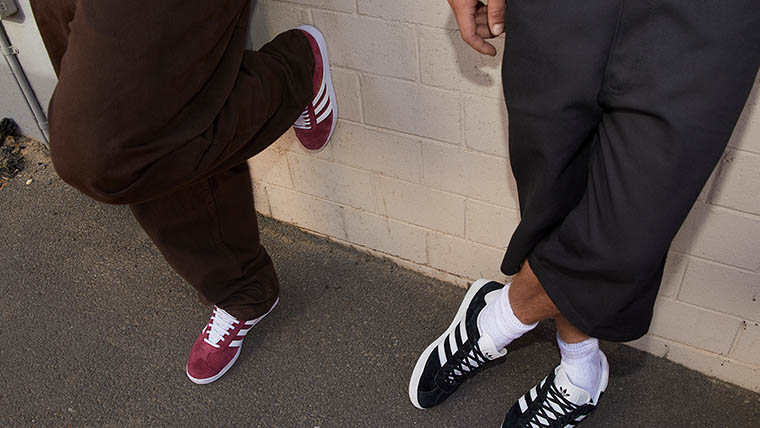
x: 418, y: 172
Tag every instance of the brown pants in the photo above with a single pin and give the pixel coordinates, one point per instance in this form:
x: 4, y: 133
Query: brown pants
x: 159, y: 107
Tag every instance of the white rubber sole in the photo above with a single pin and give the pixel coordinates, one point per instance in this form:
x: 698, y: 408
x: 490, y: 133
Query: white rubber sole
x: 229, y: 365
x: 414, y: 383
x: 314, y: 32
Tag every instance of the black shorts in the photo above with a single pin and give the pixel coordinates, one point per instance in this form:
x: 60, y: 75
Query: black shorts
x: 618, y: 112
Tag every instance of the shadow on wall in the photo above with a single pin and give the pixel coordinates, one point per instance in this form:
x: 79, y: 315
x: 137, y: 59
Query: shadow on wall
x: 259, y: 27
x: 454, y: 66
x: 473, y: 66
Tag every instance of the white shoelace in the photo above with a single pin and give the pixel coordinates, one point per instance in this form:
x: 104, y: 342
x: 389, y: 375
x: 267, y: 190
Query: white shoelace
x: 455, y: 371
x: 555, y: 407
x: 219, y: 326
x: 303, y: 121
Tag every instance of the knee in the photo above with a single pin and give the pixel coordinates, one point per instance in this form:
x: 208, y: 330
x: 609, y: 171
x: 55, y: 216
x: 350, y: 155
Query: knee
x: 91, y: 147
x: 88, y: 162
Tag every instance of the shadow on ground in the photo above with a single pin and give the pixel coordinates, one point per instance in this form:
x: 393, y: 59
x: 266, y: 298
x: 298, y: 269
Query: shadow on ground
x: 95, y: 330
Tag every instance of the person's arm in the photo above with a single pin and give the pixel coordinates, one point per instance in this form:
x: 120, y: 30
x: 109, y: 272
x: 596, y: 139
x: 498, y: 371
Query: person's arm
x: 478, y: 22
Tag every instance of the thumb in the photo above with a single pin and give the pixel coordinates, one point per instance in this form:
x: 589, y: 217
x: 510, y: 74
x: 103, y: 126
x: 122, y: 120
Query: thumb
x: 496, y: 10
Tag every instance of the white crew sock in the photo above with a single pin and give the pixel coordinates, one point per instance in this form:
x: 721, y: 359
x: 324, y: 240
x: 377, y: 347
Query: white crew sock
x: 582, y: 363
x: 499, y: 322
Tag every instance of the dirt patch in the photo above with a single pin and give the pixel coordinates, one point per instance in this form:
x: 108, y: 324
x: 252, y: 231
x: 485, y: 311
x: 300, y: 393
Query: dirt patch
x: 18, y: 154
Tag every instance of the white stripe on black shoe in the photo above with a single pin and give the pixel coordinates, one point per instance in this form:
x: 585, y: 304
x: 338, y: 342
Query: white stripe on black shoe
x: 459, y: 353
x: 556, y: 402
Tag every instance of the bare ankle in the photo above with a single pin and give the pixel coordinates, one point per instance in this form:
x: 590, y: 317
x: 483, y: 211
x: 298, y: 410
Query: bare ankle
x: 529, y: 301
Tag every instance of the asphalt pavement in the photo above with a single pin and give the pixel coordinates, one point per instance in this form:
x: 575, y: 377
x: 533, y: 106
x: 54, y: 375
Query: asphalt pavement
x: 95, y: 329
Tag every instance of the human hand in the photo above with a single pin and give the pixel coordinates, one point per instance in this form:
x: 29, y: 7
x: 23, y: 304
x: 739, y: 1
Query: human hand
x: 478, y: 21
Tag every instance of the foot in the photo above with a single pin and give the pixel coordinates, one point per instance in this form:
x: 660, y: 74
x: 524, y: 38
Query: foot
x: 460, y: 352
x: 556, y: 402
x: 218, y: 346
x: 317, y: 123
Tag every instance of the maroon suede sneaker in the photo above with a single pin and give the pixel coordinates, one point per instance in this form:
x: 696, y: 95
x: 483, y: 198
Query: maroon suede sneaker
x: 317, y: 123
x: 218, y: 346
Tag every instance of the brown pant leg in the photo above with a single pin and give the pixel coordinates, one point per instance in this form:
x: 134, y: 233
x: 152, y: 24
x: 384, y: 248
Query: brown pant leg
x: 208, y: 233
x: 167, y: 128
x: 152, y: 99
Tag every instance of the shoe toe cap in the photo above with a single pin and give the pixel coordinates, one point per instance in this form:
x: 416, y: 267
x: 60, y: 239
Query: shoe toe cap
x: 511, y: 420
x: 206, y: 362
x: 432, y: 398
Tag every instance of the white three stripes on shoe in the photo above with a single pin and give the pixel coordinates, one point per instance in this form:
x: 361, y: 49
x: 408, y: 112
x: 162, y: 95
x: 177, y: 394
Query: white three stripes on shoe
x: 322, y: 106
x: 454, y: 342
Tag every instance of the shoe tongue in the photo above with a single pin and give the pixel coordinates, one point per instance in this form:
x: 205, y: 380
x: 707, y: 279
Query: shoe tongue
x: 571, y: 392
x: 488, y: 348
x: 226, y: 316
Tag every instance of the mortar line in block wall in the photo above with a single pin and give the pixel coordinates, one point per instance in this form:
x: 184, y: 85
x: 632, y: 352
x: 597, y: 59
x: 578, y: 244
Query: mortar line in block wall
x: 419, y: 84
x: 402, y: 134
x: 461, y: 92
x: 290, y: 171
x: 375, y: 75
x: 422, y: 165
x: 695, y: 350
x: 702, y: 308
x: 464, y: 149
x: 744, y: 150
x: 743, y: 214
x: 383, y: 214
x: 371, y: 172
x: 421, y: 25
x: 375, y: 202
x: 361, y: 99
x: 347, y: 166
x: 419, y: 53
x: 716, y: 173
x: 425, y: 140
x: 715, y: 262
x: 681, y: 278
x: 466, y: 210
x: 376, y: 173
x: 736, y: 337
x: 736, y: 210
x: 423, y: 269
x: 311, y: 16
x: 265, y: 189
x: 316, y: 7
x: 462, y: 137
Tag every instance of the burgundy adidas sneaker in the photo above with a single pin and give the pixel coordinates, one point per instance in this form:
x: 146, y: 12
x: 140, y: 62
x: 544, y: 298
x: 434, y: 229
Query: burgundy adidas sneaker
x: 218, y: 346
x: 317, y: 123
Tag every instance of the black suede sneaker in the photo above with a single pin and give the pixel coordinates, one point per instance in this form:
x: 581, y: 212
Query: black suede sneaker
x: 460, y: 352
x: 556, y: 402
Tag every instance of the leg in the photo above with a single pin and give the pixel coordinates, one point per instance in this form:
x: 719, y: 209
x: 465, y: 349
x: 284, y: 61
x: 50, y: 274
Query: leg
x: 669, y: 113
x: 136, y: 116
x: 568, y: 332
x: 182, y: 200
x: 551, y: 121
x: 208, y: 233
x: 165, y: 121
x: 528, y: 299
x: 555, y: 59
